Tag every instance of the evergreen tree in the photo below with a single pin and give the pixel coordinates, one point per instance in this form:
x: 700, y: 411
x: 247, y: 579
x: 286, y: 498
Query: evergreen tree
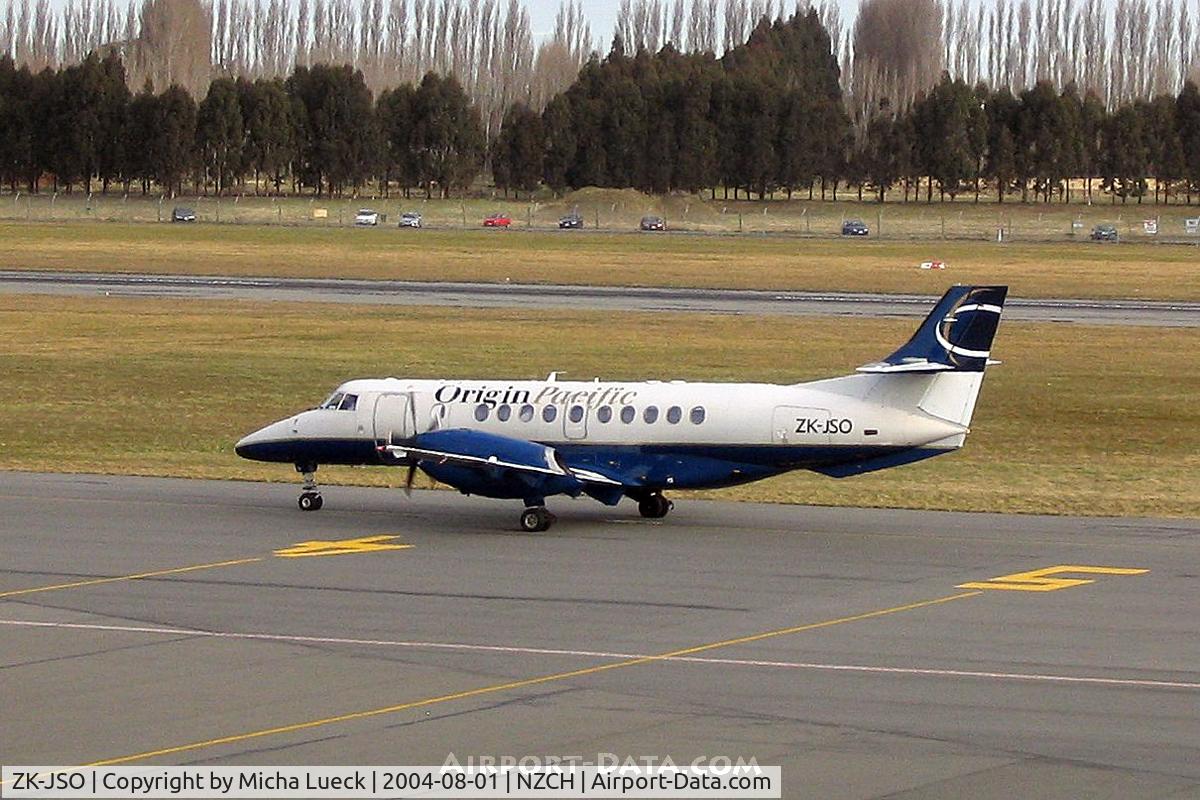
x: 559, y: 142
x: 448, y: 135
x: 220, y: 134
x: 517, y: 153
x: 172, y: 144
x: 1187, y: 117
x: 396, y: 110
x: 1125, y: 164
x: 113, y: 118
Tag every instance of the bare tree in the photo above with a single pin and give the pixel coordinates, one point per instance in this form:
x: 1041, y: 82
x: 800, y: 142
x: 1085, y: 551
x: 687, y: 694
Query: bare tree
x: 891, y: 56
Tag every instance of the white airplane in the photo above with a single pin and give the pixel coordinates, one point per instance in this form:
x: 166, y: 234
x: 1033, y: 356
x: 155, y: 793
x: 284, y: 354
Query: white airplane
x: 529, y: 440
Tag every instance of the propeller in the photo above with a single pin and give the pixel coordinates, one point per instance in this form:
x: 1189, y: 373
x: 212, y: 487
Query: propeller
x: 408, y: 481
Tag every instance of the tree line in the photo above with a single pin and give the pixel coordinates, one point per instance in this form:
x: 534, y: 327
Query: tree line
x: 768, y: 116
x: 321, y: 128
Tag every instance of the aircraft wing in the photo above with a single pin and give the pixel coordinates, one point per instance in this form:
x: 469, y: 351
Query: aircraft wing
x: 495, y: 466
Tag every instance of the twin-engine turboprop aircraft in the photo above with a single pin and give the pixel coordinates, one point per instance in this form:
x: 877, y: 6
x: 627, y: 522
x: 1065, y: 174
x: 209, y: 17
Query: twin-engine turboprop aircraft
x: 529, y: 440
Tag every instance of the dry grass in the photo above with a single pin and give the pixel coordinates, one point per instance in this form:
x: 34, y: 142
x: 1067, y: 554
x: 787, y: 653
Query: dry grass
x: 582, y: 257
x: 1078, y: 420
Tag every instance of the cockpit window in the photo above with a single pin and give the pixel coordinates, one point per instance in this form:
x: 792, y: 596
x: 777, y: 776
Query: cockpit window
x: 349, y: 402
x: 334, y: 400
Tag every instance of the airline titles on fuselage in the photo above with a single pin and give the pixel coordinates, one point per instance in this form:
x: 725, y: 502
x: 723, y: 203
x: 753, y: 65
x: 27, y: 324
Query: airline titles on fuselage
x: 492, y: 396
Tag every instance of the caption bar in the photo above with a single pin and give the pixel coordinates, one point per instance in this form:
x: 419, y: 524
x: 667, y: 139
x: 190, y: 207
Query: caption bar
x: 741, y: 783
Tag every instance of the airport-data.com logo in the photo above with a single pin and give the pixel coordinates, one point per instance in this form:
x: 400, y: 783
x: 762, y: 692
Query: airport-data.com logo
x: 712, y: 765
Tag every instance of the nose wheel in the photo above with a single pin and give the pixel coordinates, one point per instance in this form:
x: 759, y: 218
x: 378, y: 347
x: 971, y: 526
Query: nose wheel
x: 536, y: 519
x: 310, y: 497
x: 654, y: 506
x: 310, y: 501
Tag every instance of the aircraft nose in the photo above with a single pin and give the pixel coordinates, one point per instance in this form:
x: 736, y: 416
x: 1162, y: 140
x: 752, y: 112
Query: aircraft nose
x: 260, y: 445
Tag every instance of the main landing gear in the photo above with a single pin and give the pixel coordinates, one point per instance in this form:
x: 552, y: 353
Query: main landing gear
x: 654, y: 506
x: 536, y: 519
x: 310, y: 498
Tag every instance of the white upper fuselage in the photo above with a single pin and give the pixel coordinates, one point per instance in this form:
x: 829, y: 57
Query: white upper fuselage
x: 622, y: 413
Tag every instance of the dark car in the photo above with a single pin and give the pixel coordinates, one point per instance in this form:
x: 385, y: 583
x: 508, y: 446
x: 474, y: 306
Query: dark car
x: 572, y: 220
x: 1105, y: 233
x: 854, y: 227
x: 497, y: 219
x: 653, y: 224
x: 181, y: 214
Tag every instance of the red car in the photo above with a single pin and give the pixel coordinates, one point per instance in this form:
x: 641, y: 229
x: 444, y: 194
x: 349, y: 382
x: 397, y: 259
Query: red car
x: 497, y: 220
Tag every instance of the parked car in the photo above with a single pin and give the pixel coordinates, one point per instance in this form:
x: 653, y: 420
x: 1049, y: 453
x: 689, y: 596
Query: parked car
x: 497, y: 219
x: 854, y: 227
x: 410, y: 219
x: 181, y: 214
x: 366, y: 216
x: 1105, y: 233
x: 572, y: 220
x: 653, y: 224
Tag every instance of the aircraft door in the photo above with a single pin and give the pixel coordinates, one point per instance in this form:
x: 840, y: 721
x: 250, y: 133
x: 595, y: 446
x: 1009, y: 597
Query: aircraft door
x: 575, y: 421
x: 798, y: 425
x: 393, y: 418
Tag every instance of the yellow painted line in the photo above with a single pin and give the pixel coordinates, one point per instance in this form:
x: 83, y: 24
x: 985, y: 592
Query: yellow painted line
x: 156, y: 573
x: 1040, y: 580
x: 341, y: 547
x: 521, y: 684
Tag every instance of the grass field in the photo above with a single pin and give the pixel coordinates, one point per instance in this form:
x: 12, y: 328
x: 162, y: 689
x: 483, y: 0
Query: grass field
x: 1065, y: 269
x: 1078, y: 420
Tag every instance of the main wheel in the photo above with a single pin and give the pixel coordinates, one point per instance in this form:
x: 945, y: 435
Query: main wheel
x: 654, y: 506
x: 310, y: 501
x: 536, y: 520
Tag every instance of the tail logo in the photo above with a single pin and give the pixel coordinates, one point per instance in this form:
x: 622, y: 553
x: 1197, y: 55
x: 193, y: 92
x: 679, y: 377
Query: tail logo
x: 964, y: 327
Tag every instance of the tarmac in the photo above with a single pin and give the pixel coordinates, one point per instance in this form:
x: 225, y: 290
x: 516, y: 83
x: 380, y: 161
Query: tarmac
x: 583, y: 298
x: 870, y: 653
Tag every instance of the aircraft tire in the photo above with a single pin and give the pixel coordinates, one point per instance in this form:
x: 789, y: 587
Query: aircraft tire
x: 536, y: 519
x: 310, y: 501
x: 654, y: 506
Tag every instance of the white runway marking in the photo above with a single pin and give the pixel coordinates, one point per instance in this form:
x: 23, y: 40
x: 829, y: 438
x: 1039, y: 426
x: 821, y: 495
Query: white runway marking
x: 489, y: 648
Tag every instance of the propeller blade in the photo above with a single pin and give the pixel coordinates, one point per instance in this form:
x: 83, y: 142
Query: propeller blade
x: 408, y: 482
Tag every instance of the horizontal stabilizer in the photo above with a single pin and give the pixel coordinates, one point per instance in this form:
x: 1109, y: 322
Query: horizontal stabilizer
x: 918, y: 366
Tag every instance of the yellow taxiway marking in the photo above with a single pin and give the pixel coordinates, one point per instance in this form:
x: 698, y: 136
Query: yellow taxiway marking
x: 521, y: 684
x: 1040, y: 580
x: 134, y: 577
x: 340, y: 547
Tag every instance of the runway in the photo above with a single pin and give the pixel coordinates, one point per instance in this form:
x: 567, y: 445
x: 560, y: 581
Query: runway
x: 166, y: 621
x: 592, y: 298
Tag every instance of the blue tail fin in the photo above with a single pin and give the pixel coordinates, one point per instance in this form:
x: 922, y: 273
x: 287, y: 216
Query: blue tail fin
x: 956, y: 336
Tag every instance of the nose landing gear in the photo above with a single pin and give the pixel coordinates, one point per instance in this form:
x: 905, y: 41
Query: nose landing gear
x: 310, y: 499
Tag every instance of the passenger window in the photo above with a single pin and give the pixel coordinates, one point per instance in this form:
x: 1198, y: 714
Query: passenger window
x: 627, y: 414
x: 549, y: 413
x: 526, y: 413
x: 650, y: 415
x: 504, y: 412
x: 674, y: 414
x: 604, y: 413
x: 349, y: 402
x: 697, y: 415
x: 481, y: 412
x: 575, y: 414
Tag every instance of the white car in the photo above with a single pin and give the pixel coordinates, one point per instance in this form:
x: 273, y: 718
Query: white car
x: 410, y: 219
x: 366, y: 216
